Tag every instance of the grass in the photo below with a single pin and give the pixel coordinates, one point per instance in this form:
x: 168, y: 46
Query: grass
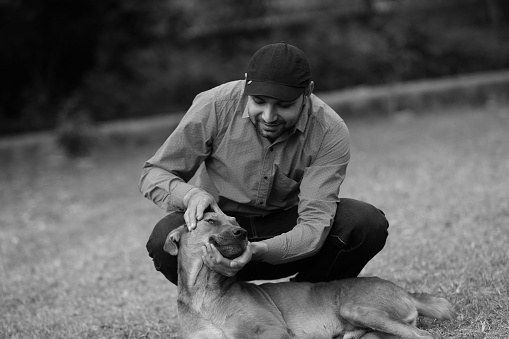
x: 72, y: 232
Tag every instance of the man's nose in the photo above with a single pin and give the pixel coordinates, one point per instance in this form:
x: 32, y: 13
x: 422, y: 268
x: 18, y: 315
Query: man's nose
x: 268, y: 114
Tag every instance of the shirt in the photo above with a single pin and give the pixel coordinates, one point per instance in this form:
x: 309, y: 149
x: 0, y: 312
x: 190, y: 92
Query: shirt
x: 250, y: 175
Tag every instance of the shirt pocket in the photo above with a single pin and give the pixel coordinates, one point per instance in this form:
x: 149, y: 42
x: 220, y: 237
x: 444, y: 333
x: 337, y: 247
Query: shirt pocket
x: 285, y: 191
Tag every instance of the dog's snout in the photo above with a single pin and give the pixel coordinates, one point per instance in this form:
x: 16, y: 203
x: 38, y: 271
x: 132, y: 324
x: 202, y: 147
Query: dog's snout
x: 239, y: 232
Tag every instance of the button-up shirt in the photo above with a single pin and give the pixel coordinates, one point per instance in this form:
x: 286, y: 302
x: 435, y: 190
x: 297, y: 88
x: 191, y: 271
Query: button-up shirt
x: 250, y: 175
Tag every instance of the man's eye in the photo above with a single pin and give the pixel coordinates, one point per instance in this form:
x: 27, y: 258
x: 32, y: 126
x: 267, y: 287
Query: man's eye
x: 210, y: 221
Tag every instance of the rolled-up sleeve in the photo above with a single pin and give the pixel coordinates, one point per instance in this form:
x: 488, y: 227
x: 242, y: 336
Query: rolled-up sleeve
x: 318, y: 199
x: 164, y: 176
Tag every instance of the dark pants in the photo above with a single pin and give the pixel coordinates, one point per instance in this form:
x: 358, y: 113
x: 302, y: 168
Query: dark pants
x: 358, y: 233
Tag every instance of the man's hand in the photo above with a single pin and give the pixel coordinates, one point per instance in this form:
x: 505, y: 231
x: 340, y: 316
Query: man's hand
x: 197, y: 201
x: 216, y: 262
x: 213, y: 259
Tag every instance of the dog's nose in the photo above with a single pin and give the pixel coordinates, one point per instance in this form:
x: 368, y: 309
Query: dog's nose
x: 239, y: 232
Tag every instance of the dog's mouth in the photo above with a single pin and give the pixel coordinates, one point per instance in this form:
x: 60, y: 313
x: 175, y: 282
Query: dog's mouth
x: 230, y: 248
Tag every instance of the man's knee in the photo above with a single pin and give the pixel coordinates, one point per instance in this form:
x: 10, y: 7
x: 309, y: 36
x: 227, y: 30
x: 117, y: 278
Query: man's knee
x: 377, y: 230
x: 161, y: 230
x: 359, y: 232
x: 164, y: 262
x: 359, y: 222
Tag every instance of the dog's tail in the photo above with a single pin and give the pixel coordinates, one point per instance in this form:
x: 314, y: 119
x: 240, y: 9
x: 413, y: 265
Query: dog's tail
x: 432, y: 307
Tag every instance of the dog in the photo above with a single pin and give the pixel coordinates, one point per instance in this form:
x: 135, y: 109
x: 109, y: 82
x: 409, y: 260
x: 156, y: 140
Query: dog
x: 211, y: 305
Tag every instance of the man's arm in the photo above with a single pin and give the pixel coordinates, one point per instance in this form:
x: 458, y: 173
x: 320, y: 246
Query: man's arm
x: 318, y: 199
x: 164, y: 176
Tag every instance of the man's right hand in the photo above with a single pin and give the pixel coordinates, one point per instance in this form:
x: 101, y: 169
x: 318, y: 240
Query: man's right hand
x: 197, y: 201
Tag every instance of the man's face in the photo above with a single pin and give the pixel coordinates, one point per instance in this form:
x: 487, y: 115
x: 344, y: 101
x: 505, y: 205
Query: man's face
x: 273, y: 117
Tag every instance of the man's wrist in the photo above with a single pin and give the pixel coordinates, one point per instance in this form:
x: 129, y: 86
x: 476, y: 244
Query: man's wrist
x: 189, y: 194
x: 259, y: 250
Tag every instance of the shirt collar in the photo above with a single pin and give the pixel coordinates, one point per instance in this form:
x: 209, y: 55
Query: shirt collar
x: 304, y: 117
x: 245, y: 114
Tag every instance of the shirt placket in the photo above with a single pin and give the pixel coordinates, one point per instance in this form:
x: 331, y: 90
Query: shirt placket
x: 265, y: 176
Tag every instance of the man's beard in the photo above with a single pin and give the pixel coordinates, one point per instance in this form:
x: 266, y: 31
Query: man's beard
x: 272, y: 130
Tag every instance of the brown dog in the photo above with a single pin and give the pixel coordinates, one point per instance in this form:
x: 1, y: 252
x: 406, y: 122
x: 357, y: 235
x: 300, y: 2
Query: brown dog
x: 211, y: 305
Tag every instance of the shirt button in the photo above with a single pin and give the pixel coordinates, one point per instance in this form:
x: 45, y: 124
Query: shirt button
x: 260, y: 202
x: 265, y: 177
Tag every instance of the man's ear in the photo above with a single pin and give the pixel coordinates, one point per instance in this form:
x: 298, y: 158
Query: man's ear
x: 171, y: 243
x: 309, y: 89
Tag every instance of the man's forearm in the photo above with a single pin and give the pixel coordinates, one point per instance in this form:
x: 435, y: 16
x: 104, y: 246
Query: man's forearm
x: 165, y: 189
x: 259, y: 250
x: 189, y: 194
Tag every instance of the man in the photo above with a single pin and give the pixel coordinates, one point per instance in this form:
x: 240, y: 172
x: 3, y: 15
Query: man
x: 269, y: 152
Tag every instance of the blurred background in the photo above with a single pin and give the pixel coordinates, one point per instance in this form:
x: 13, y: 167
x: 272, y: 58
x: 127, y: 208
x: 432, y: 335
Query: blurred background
x: 90, y: 89
x: 91, y: 61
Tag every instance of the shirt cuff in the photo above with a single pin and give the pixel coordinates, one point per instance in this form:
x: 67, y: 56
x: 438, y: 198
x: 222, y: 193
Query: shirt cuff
x: 275, y: 250
x: 178, y: 191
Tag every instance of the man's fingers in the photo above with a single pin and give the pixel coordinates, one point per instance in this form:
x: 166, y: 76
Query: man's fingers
x: 211, y: 262
x: 200, y: 208
x: 213, y: 253
x: 243, y: 259
x: 190, y: 218
x: 208, y: 258
x: 215, y: 208
x: 197, y: 204
x: 209, y: 254
x: 218, y: 257
x: 194, y: 212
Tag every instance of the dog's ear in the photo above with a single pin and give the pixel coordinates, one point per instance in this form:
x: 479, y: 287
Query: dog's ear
x: 171, y: 243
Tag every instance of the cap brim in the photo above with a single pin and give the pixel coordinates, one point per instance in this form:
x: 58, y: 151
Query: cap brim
x: 276, y: 91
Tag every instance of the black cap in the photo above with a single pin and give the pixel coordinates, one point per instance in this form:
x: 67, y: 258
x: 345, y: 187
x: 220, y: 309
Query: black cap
x: 279, y: 71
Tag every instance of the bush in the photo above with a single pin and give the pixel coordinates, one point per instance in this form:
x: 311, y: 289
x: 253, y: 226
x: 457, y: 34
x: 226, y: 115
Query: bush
x: 127, y: 58
x: 75, y: 134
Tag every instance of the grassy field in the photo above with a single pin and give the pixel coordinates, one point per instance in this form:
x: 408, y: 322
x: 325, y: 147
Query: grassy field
x: 72, y: 233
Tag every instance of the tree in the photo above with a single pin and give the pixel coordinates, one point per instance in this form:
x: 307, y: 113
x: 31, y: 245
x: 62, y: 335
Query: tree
x: 49, y: 46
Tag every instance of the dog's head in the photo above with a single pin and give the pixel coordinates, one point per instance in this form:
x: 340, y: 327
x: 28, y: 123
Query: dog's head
x: 218, y: 229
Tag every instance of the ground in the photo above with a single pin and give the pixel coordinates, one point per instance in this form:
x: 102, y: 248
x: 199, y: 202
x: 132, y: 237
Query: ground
x: 72, y: 232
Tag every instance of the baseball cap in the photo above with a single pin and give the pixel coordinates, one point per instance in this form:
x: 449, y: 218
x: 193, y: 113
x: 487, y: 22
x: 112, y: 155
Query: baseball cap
x: 279, y: 71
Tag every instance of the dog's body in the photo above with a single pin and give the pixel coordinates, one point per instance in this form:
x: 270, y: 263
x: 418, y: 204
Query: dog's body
x: 211, y: 305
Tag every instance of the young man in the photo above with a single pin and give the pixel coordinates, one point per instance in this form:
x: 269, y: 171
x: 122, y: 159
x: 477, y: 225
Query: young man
x: 269, y: 152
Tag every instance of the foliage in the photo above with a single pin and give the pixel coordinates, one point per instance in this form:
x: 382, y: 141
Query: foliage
x: 49, y: 47
x: 126, y: 58
x: 75, y: 132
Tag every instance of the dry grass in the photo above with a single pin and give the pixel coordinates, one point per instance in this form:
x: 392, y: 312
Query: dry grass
x: 72, y: 233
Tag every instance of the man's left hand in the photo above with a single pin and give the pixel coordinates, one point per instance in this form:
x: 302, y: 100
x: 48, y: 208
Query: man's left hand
x: 213, y: 259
